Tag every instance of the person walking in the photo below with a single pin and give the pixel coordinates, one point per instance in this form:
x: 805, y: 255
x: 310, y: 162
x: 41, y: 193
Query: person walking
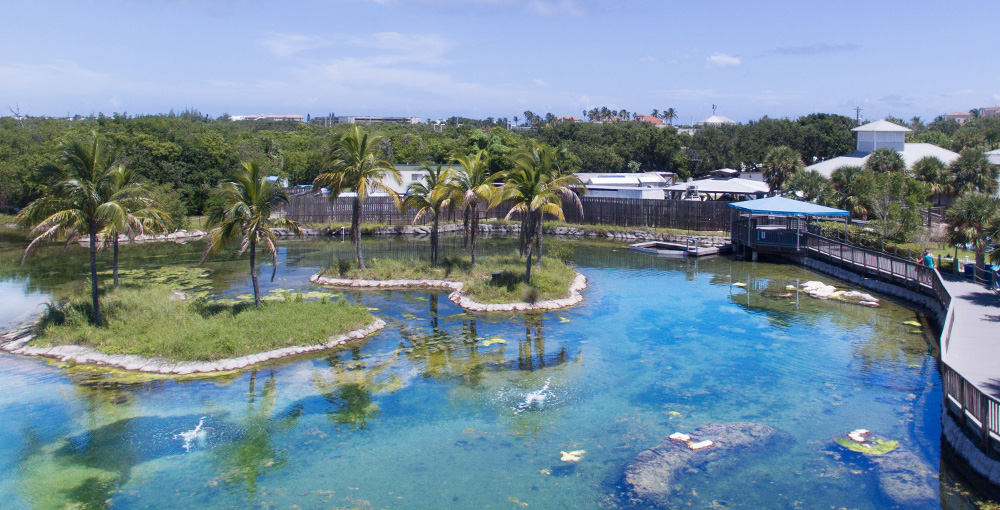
x: 928, y: 258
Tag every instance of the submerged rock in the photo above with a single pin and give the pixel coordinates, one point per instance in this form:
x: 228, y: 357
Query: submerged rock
x: 904, y: 477
x: 650, y: 479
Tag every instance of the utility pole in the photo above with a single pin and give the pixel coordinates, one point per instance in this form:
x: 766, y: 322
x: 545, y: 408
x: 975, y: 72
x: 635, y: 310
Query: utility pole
x: 857, y: 113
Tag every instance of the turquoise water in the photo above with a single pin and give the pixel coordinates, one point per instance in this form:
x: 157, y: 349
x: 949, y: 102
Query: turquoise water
x: 422, y: 415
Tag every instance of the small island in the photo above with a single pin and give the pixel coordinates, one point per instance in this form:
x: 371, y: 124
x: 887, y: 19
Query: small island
x: 155, y: 329
x: 494, y: 284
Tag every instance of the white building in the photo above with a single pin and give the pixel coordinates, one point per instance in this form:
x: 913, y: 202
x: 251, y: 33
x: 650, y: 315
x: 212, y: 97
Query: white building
x: 271, y: 117
x: 715, y: 120
x: 648, y: 185
x: 369, y: 119
x: 876, y: 135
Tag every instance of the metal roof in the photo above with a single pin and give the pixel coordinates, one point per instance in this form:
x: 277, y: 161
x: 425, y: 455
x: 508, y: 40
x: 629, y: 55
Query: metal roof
x: 883, y: 126
x: 734, y: 185
x: 782, y: 206
x: 912, y: 152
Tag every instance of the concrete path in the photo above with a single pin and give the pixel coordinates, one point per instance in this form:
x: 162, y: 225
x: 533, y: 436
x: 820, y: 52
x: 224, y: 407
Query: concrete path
x: 974, y: 347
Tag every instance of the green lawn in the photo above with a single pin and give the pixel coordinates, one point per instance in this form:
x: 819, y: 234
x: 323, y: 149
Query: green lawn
x: 550, y: 281
x: 146, y: 321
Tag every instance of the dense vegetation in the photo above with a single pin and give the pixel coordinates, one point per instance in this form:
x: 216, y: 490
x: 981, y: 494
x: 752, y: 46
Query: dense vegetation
x: 183, y: 156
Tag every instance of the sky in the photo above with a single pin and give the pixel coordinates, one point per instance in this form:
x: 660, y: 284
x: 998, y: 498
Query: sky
x: 497, y: 58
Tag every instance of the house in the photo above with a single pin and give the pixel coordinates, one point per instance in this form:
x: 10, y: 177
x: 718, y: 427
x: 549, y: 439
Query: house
x: 989, y: 111
x: 994, y: 156
x: 960, y: 117
x: 271, y: 117
x: 648, y: 185
x: 876, y: 135
x: 656, y: 121
x: 370, y: 119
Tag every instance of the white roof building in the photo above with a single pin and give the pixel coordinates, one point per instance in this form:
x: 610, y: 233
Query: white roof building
x: 716, y: 120
x: 876, y: 135
x: 994, y: 156
x: 733, y: 186
x: 647, y: 185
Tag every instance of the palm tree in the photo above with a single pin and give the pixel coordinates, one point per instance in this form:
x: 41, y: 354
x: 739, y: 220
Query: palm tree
x: 474, y: 183
x: 810, y: 183
x: 974, y: 172
x: 247, y: 201
x: 80, y: 200
x: 780, y: 163
x: 934, y: 172
x: 655, y: 114
x: 885, y: 160
x: 354, y: 163
x: 429, y: 197
x: 842, y: 180
x: 536, y: 188
x: 971, y: 220
x: 670, y: 115
x: 136, y: 212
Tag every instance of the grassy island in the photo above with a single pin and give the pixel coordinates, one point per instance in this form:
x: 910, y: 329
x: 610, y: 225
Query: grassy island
x: 551, y: 280
x: 150, y: 321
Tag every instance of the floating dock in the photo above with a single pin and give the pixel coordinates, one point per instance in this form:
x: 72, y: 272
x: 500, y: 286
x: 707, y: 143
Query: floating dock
x: 665, y: 249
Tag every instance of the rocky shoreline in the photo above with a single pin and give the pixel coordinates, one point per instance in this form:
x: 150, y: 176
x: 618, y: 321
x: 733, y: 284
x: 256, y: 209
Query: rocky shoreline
x: 15, y: 342
x: 456, y: 296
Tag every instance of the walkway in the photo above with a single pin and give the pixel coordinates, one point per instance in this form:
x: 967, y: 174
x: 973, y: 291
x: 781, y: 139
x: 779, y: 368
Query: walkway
x: 974, y: 345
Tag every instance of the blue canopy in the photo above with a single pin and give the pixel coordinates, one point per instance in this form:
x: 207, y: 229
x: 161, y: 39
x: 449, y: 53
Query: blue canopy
x: 786, y: 207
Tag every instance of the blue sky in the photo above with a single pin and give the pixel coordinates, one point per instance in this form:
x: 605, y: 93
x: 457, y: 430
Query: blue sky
x: 483, y: 58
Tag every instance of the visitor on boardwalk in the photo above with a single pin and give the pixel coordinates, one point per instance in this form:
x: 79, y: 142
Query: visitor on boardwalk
x: 928, y: 258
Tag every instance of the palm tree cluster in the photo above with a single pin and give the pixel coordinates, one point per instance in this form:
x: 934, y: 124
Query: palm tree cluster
x: 537, y: 186
x: 605, y: 114
x: 89, y: 193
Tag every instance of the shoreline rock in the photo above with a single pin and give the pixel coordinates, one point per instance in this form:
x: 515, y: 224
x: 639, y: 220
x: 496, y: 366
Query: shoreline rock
x: 15, y: 342
x: 456, y: 296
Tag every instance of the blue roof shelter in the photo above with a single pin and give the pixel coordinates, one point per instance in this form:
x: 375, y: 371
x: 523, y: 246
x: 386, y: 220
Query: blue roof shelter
x: 774, y: 225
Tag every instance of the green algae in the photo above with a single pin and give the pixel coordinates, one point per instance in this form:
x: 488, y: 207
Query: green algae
x: 876, y: 447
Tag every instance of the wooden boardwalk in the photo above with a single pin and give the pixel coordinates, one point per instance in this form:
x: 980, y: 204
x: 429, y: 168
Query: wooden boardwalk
x: 973, y: 349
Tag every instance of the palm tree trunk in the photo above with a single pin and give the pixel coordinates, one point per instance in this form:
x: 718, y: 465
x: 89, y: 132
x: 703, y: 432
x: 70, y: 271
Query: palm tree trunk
x: 465, y: 227
x: 475, y: 235
x: 434, y: 240
x: 522, y: 234
x: 253, y: 273
x: 114, y: 261
x: 356, y: 229
x: 527, y: 251
x: 93, y: 273
x: 979, y: 274
x: 538, y: 237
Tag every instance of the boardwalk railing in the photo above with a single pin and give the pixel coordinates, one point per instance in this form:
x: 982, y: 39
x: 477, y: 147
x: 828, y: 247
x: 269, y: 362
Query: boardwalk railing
x: 972, y: 402
x: 622, y: 212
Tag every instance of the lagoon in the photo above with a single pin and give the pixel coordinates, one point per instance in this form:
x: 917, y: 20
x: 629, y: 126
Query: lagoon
x: 445, y: 409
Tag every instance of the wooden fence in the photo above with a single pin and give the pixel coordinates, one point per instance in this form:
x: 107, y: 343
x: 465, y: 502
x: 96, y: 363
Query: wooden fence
x: 679, y: 214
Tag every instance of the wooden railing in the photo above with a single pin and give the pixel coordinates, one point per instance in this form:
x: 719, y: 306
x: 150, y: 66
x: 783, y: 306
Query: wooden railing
x: 972, y: 402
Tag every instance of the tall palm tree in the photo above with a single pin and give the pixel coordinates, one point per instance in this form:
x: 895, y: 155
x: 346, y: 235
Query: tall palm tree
x: 535, y: 190
x: 972, y: 218
x: 429, y: 196
x: 248, y: 199
x: 670, y: 115
x: 780, y: 163
x: 80, y: 200
x: 843, y: 180
x: 137, y: 212
x: 354, y: 164
x: 809, y: 183
x: 474, y: 183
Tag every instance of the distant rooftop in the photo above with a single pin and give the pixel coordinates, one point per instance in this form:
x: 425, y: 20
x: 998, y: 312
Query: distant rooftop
x: 882, y: 126
x: 716, y: 120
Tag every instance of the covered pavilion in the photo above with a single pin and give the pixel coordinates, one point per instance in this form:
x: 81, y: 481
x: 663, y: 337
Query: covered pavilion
x: 775, y: 225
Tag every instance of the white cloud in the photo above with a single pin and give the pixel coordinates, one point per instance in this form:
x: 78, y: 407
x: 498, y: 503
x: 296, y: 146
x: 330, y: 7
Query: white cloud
x: 286, y: 45
x: 648, y: 59
x: 548, y: 8
x: 541, y: 82
x: 723, y: 60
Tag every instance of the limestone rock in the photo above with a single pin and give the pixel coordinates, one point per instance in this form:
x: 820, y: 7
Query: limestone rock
x: 651, y: 478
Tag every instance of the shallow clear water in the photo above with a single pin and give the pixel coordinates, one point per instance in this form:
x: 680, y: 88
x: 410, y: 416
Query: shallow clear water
x: 423, y: 416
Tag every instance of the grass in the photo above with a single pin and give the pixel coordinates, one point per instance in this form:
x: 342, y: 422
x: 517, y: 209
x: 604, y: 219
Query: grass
x: 6, y: 219
x: 146, y: 321
x: 550, y: 281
